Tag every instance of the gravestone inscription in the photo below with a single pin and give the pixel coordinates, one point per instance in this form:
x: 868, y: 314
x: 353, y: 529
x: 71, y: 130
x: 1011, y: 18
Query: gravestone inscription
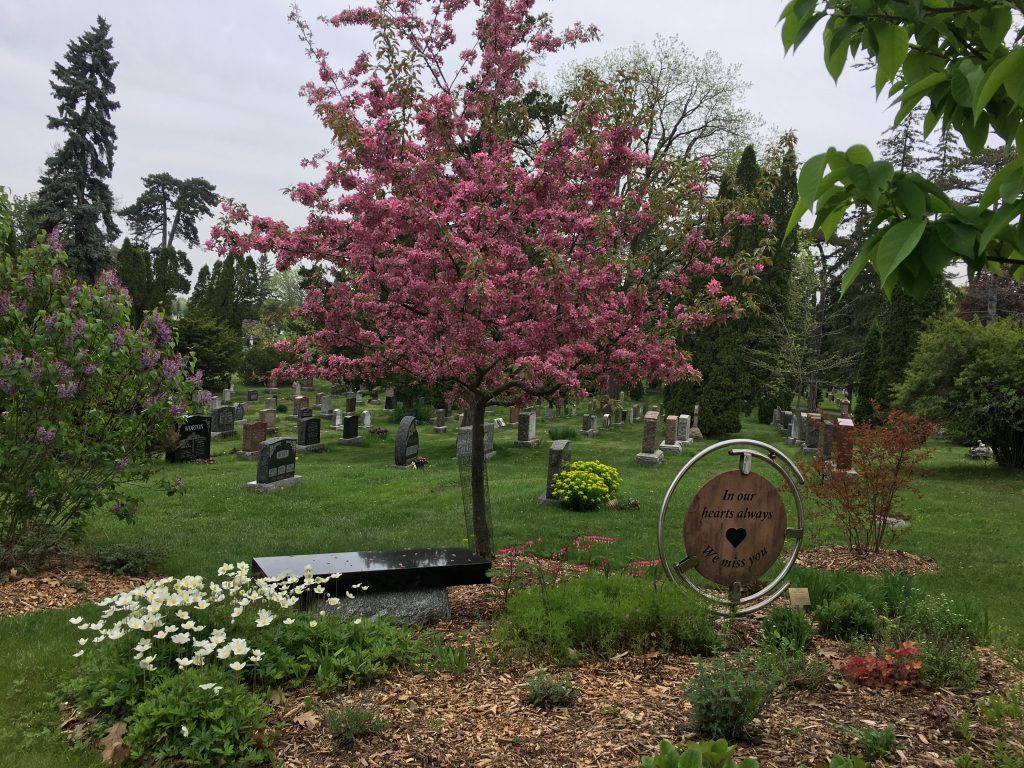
x: 191, y: 440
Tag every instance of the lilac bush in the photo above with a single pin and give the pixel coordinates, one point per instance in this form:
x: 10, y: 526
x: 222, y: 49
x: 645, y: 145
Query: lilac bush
x: 85, y: 399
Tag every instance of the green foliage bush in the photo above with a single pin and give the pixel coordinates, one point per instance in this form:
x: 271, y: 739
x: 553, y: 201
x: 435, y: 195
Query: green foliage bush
x: 875, y: 743
x: 350, y: 723
x: 966, y: 376
x: 546, y: 692
x: 700, y: 754
x: 784, y: 623
x: 726, y: 697
x: 129, y: 559
x: 86, y: 398
x: 603, y: 615
x: 257, y: 363
x: 216, y: 347
x: 199, y: 717
x: 586, y: 485
x: 847, y: 617
x: 947, y: 638
x: 785, y: 665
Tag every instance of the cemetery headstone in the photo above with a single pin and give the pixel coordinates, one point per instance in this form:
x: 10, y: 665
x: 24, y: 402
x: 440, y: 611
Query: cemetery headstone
x: 319, y: 398
x: 843, y: 445
x: 407, y: 442
x: 813, y: 434
x: 269, y: 417
x: 440, y: 421
x: 252, y: 395
x: 223, y: 422
x: 513, y: 416
x: 308, y: 427
x: 214, y: 403
x: 337, y: 416
x: 828, y: 431
x: 325, y: 406
x: 464, y: 442
x: 226, y: 396
x: 844, y: 408
x: 350, y: 430
x: 670, y: 444
x: 239, y: 412
x: 606, y: 421
x: 253, y: 433
x: 366, y: 420
x: 389, y: 400
x: 527, y: 430
x: 192, y: 440
x: 299, y: 404
x: 350, y: 402
x: 275, y: 466
x: 635, y: 410
x: 650, y: 455
x: 270, y: 402
x: 559, y: 454
x: 589, y: 425
x: 683, y: 430
x: 787, y: 422
x: 296, y: 389
x: 335, y: 390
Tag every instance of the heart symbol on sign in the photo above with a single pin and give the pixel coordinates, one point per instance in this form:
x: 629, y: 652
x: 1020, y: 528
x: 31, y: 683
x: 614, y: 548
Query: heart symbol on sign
x: 735, y: 536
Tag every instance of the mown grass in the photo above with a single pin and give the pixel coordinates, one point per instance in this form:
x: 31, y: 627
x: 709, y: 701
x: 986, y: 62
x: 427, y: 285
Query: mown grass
x: 967, y: 518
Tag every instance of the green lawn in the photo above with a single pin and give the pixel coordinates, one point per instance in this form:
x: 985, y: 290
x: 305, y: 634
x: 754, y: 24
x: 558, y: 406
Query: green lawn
x: 968, y: 518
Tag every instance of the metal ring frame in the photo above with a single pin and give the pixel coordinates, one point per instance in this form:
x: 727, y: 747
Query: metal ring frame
x: 740, y: 605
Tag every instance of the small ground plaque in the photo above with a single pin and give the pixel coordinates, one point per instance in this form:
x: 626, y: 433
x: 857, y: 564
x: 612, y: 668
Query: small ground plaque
x: 799, y: 597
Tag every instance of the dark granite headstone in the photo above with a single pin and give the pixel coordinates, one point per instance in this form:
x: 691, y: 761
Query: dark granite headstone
x: 239, y: 412
x: 335, y: 390
x: 223, y: 420
x: 252, y: 395
x: 306, y: 413
x: 192, y: 440
x: 389, y: 399
x: 350, y: 426
x: 350, y: 402
x: 309, y: 431
x: 407, y: 442
x: 276, y: 461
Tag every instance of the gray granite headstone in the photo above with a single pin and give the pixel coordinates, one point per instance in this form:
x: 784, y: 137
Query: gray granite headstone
x: 649, y: 455
x: 559, y: 454
x: 223, y: 421
x: 252, y: 395
x: 440, y: 421
x: 325, y: 407
x: 226, y: 396
x: 367, y: 421
x: 269, y: 417
x: 527, y: 430
x: 589, y: 425
x: 407, y: 442
x: 683, y: 430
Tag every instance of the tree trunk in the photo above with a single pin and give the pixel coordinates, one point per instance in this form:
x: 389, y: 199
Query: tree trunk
x: 481, y: 526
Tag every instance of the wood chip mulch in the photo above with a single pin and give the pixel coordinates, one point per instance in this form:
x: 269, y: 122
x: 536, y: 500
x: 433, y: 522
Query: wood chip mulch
x: 628, y: 703
x: 839, y: 558
x: 73, y: 582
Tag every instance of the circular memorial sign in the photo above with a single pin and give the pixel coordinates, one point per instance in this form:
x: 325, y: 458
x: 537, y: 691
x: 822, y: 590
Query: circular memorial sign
x: 735, y: 528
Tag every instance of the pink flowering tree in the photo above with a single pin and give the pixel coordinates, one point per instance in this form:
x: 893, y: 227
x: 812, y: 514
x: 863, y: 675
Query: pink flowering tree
x: 85, y: 399
x: 459, y: 255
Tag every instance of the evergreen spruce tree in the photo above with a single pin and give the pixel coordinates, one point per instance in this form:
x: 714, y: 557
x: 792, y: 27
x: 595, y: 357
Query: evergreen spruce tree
x: 74, y: 192
x: 867, y: 379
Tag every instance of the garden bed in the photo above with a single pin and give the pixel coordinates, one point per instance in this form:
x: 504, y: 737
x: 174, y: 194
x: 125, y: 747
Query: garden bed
x: 64, y: 585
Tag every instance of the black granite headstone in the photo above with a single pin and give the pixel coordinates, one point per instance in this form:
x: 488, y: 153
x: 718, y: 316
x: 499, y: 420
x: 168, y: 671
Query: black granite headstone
x: 350, y: 402
x: 305, y: 413
x: 193, y: 440
x: 252, y: 395
x: 389, y: 402
x: 407, y: 442
x: 276, y: 461
x: 224, y: 419
x: 350, y: 427
x: 239, y: 412
x: 309, y: 431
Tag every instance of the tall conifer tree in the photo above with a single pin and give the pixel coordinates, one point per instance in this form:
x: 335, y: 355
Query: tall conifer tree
x: 74, y: 192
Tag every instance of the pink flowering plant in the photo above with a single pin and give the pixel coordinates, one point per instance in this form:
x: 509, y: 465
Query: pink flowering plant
x: 475, y: 242
x: 85, y: 399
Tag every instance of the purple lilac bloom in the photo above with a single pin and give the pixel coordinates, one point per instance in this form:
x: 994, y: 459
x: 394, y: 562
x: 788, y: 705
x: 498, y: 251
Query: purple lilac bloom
x: 67, y: 389
x: 29, y: 282
x: 7, y: 387
x: 122, y: 463
x: 44, y: 435
x: 161, y: 330
x: 89, y: 369
x: 5, y: 302
x: 64, y: 370
x: 205, y: 397
x: 177, y: 409
x: 56, y: 275
x: 49, y: 321
x: 119, y: 337
x: 53, y: 239
x: 170, y: 367
x: 149, y: 359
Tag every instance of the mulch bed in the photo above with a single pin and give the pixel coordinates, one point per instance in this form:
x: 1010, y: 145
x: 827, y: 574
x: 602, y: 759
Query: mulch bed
x: 628, y: 703
x: 839, y: 558
x: 70, y: 583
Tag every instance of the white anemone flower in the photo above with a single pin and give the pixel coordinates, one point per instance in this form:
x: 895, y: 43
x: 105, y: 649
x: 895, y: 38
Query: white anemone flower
x: 238, y: 666
x: 184, y: 662
x: 77, y: 620
x: 79, y: 653
x: 181, y: 638
x: 265, y: 618
x: 238, y: 646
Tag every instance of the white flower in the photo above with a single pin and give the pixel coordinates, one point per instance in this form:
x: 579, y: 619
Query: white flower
x: 183, y: 615
x: 223, y: 652
x: 333, y: 600
x: 238, y: 666
x: 161, y: 634
x: 312, y: 624
x: 115, y: 633
x: 363, y: 587
x: 264, y: 618
x: 358, y: 586
x: 218, y: 636
x: 76, y: 655
x: 135, y: 622
x: 147, y: 663
x: 76, y: 620
x: 184, y: 662
x: 202, y: 605
x: 184, y: 731
x: 189, y: 625
x: 319, y: 590
x: 143, y: 646
x: 358, y: 620
x: 207, y: 686
x: 83, y: 640
x: 349, y: 595
x: 289, y: 621
x: 181, y: 638
x: 238, y: 646
x: 236, y: 612
x: 256, y: 656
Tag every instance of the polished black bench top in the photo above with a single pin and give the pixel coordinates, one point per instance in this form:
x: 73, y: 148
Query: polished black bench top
x: 387, y: 570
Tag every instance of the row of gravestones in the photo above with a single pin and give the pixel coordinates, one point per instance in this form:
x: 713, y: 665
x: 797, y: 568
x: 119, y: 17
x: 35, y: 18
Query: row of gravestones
x: 816, y: 435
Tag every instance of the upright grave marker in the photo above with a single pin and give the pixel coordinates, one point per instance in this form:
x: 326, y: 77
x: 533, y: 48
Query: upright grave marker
x: 275, y: 467
x: 191, y: 440
x: 650, y: 455
x: 527, y: 430
x: 350, y: 430
x: 440, y: 421
x: 308, y: 427
x: 589, y: 426
x: 407, y: 442
x: 253, y: 433
x: 670, y: 444
x: 559, y: 454
x: 223, y: 422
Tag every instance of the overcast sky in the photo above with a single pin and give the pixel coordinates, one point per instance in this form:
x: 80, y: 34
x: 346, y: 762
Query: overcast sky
x: 209, y: 87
